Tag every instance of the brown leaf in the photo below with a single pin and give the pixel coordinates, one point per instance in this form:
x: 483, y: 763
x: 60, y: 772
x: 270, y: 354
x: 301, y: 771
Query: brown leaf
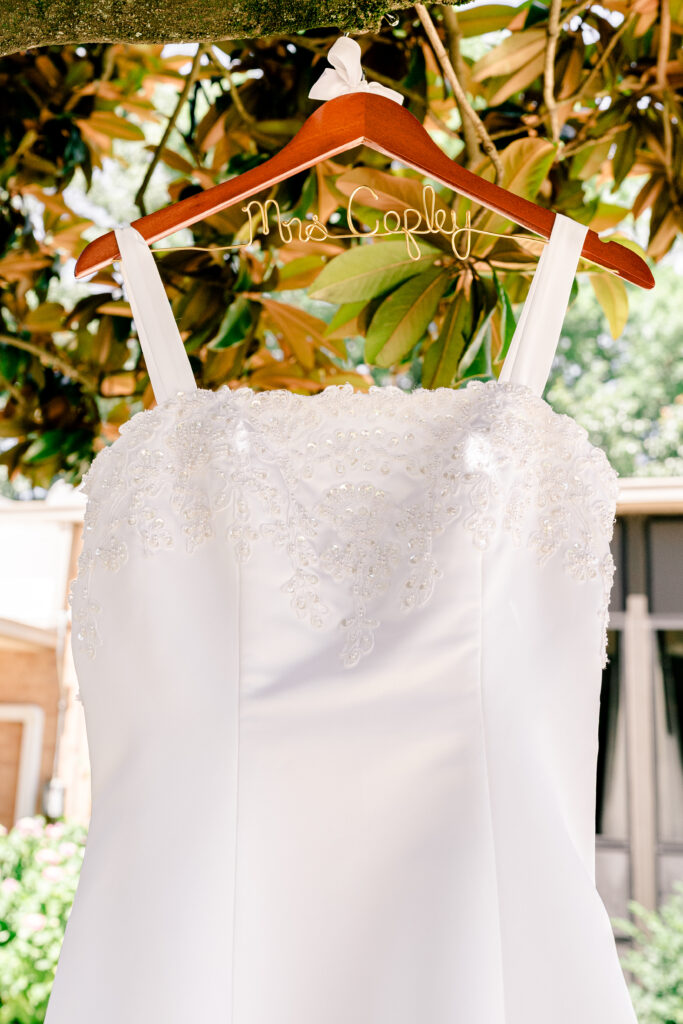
x: 18, y: 265
x: 512, y: 54
x: 664, y: 237
x: 328, y: 199
x: 115, y: 307
x: 45, y: 318
x: 299, y: 329
x: 118, y: 384
x: 520, y: 80
x: 299, y: 273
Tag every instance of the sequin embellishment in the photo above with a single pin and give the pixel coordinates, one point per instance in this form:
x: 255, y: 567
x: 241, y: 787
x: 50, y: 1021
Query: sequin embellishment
x: 397, y: 469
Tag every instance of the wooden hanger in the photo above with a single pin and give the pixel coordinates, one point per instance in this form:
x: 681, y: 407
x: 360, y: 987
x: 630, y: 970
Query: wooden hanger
x: 340, y: 124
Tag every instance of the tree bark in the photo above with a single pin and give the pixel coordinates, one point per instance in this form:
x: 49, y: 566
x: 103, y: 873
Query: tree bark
x: 45, y: 22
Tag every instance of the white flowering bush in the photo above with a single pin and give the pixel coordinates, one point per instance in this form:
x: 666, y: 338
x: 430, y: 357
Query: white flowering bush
x: 40, y: 864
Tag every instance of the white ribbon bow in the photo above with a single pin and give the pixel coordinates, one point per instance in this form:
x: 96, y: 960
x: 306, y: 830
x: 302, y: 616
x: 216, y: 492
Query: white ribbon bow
x: 346, y: 74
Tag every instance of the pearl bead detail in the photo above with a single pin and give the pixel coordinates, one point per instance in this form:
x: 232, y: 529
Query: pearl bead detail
x: 493, y: 456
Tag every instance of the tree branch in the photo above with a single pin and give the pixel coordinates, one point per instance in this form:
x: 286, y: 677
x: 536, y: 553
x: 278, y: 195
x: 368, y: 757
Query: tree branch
x: 52, y: 360
x: 458, y: 91
x: 553, y: 33
x: 59, y: 22
x: 454, y: 35
x: 663, y: 85
x: 189, y: 80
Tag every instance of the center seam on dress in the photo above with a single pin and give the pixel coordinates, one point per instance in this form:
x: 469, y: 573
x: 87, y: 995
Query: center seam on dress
x: 504, y: 1019
x: 238, y: 713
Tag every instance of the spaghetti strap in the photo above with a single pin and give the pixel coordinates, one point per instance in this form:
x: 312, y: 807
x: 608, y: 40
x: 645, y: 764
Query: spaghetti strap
x: 166, y: 360
x: 537, y: 334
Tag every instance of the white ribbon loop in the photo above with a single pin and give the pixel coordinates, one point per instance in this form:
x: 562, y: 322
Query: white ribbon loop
x: 346, y: 74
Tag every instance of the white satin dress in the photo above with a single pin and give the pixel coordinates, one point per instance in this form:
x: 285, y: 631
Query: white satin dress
x: 340, y: 662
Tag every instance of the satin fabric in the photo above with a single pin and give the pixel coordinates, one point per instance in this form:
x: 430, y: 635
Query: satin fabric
x: 278, y: 839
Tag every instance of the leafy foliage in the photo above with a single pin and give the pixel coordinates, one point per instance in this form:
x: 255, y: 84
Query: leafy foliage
x: 656, y: 959
x: 40, y: 865
x: 71, y: 373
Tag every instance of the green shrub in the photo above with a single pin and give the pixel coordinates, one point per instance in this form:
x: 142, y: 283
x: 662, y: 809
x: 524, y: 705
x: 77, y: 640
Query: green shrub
x: 40, y: 863
x: 656, y: 960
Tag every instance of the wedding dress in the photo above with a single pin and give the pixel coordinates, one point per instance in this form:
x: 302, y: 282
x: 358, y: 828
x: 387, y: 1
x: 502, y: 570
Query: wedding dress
x: 340, y: 662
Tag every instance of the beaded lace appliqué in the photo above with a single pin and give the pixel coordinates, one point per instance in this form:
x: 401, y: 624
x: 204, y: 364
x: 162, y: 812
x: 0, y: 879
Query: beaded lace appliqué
x: 492, y: 456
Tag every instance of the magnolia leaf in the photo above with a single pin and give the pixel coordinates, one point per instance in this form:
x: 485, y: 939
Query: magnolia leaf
x: 100, y: 140
x: 630, y: 243
x: 299, y: 273
x: 513, y: 53
x: 301, y: 331
x: 392, y: 192
x: 48, y: 70
x: 443, y: 355
x: 502, y: 324
x: 519, y: 81
x: 17, y: 264
x: 476, y: 21
x: 46, y: 446
x: 648, y: 194
x: 234, y: 326
x: 625, y: 155
x: 284, y: 126
x: 590, y: 159
x: 328, y: 197
x: 664, y: 236
x: 403, y: 317
x: 115, y: 384
x: 70, y: 239
x: 143, y: 109
x: 115, y: 307
x: 110, y: 124
x: 608, y: 215
x: 570, y: 70
x: 526, y: 163
x: 172, y: 159
x: 611, y: 293
x: 368, y: 270
x: 45, y: 318
x: 347, y: 312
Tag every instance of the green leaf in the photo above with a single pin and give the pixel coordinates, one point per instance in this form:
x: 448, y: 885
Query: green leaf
x: 590, y: 159
x: 109, y: 123
x: 611, y: 293
x: 402, y: 319
x: 526, y: 163
x: 476, y: 21
x: 346, y: 312
x: 443, y: 356
x: 234, y: 326
x: 299, y: 273
x: 368, y: 270
x: 504, y: 320
x: 45, y: 318
x: 513, y: 53
x: 625, y: 155
x: 44, y: 447
x: 606, y: 216
x: 477, y: 357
